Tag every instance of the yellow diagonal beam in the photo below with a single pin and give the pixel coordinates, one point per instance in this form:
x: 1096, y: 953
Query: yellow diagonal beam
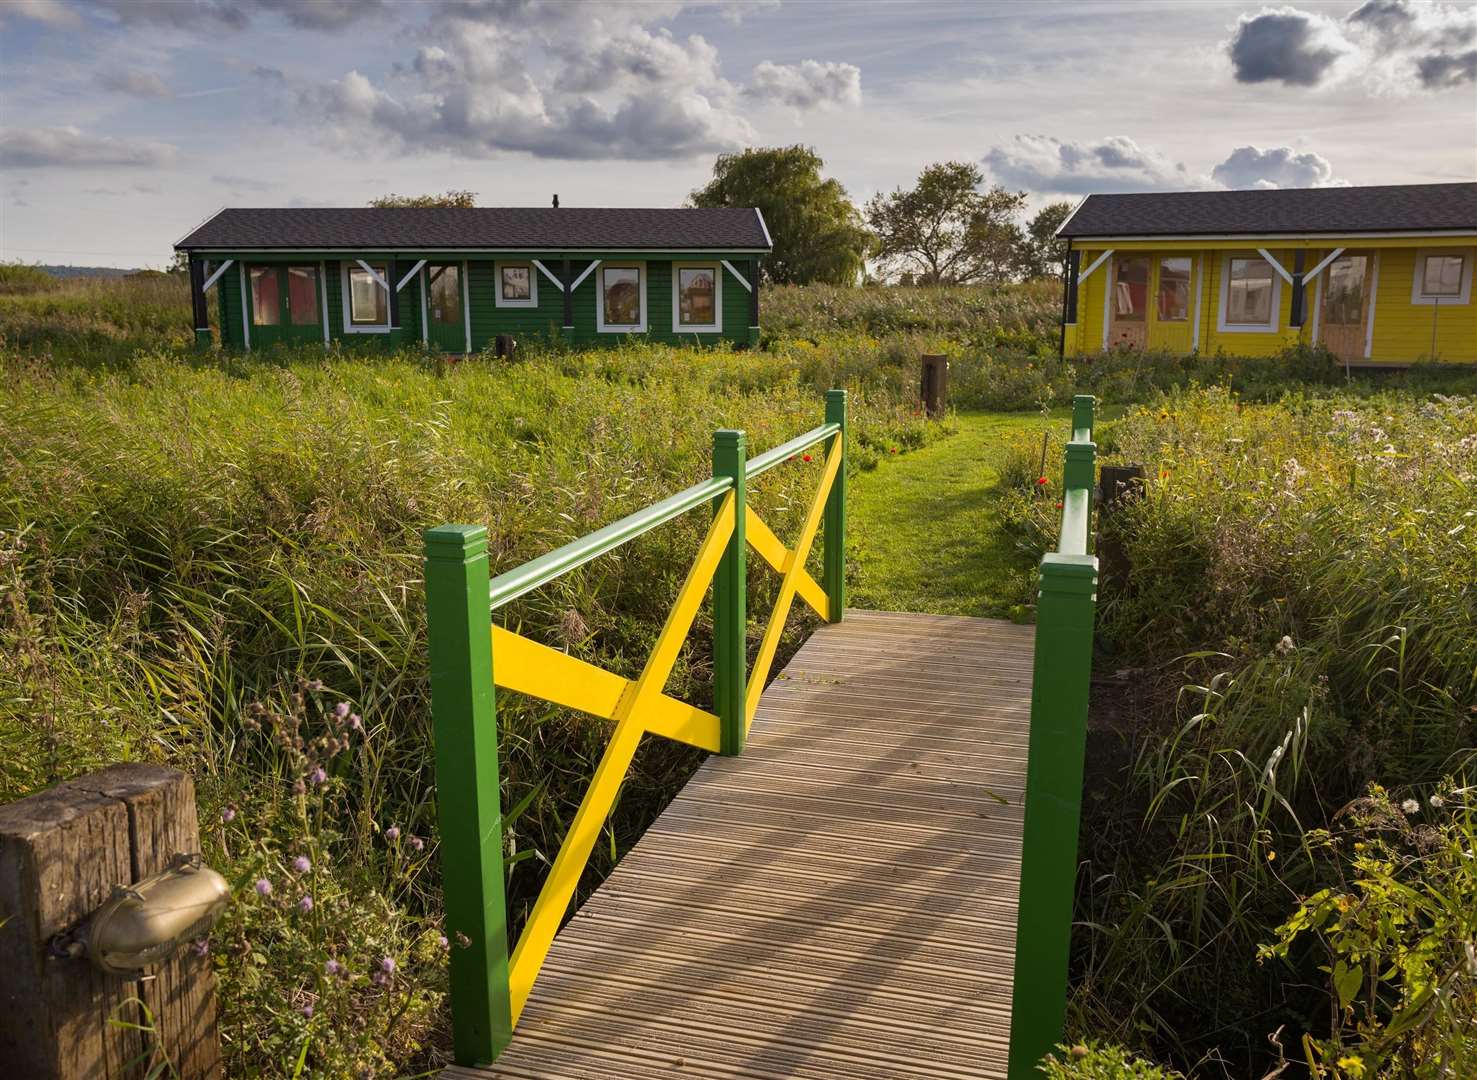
x: 794, y: 567
x: 635, y: 704
x: 531, y: 668
x: 772, y: 550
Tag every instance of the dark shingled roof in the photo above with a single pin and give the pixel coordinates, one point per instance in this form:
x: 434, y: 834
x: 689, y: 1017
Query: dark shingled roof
x: 506, y: 228
x: 1396, y: 208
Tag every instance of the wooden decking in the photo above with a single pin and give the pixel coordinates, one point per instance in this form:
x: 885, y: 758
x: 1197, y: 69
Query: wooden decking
x: 839, y: 902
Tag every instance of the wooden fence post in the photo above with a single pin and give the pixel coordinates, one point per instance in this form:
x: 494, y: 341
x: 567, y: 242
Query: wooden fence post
x: 730, y: 598
x: 469, y: 806
x: 61, y: 853
x: 833, y: 576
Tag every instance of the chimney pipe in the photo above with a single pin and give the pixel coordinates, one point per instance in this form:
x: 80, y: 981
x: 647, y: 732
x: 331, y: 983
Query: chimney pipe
x: 556, y: 202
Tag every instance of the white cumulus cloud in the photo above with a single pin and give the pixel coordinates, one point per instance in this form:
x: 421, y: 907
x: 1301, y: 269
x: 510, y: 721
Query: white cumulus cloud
x: 810, y: 84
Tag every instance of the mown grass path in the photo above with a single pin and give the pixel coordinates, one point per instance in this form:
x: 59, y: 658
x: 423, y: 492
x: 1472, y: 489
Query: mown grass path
x: 925, y: 527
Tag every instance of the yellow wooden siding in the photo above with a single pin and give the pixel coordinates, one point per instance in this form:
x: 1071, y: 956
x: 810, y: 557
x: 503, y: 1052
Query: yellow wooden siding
x: 1403, y: 330
x: 1402, y: 333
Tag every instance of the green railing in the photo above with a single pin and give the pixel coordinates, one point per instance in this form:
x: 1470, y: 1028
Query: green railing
x: 490, y: 984
x: 1059, y: 695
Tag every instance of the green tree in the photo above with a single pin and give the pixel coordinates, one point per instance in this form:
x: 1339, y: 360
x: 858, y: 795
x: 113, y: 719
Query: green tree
x: 946, y: 230
x: 817, y: 231
x: 461, y: 199
x: 1040, y: 253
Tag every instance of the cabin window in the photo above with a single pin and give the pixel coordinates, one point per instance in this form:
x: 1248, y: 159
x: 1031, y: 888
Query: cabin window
x: 367, y: 301
x: 302, y: 295
x: 697, y: 298
x: 1130, y: 289
x: 622, y: 307
x: 266, y: 296
x: 1250, y: 294
x: 1174, y: 289
x: 1442, y: 277
x: 517, y: 285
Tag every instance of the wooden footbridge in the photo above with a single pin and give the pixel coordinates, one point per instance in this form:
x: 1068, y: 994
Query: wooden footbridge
x: 872, y: 877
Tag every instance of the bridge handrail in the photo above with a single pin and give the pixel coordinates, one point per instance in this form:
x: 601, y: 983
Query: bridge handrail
x: 489, y: 986
x: 1061, y: 677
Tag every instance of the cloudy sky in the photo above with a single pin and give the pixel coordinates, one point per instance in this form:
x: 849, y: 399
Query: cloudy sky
x: 123, y: 123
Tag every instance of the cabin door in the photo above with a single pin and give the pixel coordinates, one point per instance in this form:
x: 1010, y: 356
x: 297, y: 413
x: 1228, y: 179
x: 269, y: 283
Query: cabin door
x: 286, y: 306
x: 1345, y: 317
x: 1128, y: 302
x: 446, y: 312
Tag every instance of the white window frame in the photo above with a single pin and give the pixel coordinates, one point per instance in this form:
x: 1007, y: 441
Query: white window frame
x: 639, y: 265
x: 1418, y: 295
x: 350, y: 327
x: 714, y: 327
x: 1269, y: 327
x: 497, y: 292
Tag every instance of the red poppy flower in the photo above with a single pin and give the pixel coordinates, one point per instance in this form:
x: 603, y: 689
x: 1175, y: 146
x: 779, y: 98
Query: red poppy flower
x: 1040, y: 480
x: 805, y: 458
x: 1058, y: 506
x: 1164, y: 475
x: 892, y: 449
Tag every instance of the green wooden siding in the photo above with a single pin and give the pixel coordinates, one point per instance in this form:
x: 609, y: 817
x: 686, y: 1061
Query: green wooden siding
x: 524, y: 324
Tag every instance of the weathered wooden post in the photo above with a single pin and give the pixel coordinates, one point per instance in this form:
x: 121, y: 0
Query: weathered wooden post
x: 1120, y: 485
x: 62, y: 852
x: 934, y: 383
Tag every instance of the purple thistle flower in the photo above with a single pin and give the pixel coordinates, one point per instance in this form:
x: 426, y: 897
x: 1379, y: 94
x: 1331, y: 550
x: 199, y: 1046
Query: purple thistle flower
x: 263, y: 887
x: 201, y: 947
x: 333, y: 967
x: 392, y: 833
x: 379, y: 978
x: 417, y: 843
x: 299, y: 788
x: 387, y: 964
x: 305, y: 905
x: 356, y: 722
x: 228, y: 815
x: 341, y: 710
x: 301, y: 864
x: 317, y: 776
x: 444, y: 943
x: 308, y: 1011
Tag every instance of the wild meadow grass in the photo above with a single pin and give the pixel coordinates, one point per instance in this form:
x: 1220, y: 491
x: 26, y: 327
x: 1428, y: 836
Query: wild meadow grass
x: 213, y: 561
x: 1303, y: 586
x: 185, y: 546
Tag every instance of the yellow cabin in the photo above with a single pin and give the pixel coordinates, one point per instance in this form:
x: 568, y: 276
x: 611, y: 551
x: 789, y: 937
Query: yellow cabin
x: 1378, y: 275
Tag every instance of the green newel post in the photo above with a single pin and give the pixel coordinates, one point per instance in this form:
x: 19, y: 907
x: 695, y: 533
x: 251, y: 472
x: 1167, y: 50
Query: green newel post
x: 464, y: 716
x: 1058, y: 741
x: 730, y: 597
x: 833, y: 576
x: 1082, y: 406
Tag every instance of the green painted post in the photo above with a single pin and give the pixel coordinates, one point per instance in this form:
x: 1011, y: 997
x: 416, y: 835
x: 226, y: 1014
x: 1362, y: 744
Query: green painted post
x: 1058, y: 743
x: 730, y: 597
x: 464, y: 716
x: 1082, y: 406
x: 833, y: 574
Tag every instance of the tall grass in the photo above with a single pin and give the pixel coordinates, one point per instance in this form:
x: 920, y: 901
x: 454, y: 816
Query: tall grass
x: 1304, y: 573
x: 185, y: 547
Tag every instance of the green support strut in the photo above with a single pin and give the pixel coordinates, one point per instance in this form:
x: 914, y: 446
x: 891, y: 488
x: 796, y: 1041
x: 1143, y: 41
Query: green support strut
x: 730, y: 597
x: 833, y: 575
x: 464, y: 716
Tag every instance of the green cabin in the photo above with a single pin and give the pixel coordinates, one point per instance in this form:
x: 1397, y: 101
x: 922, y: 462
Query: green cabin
x: 463, y: 279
